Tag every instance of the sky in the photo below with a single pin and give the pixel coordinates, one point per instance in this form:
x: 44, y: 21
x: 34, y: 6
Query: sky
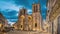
x: 10, y: 8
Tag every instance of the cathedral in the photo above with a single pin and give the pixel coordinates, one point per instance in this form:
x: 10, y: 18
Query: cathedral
x: 34, y: 21
x: 30, y: 22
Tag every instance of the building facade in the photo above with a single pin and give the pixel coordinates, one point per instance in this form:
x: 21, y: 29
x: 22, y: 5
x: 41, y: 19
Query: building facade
x: 15, y: 26
x: 53, y: 18
x: 34, y: 22
x: 3, y: 21
x: 30, y: 22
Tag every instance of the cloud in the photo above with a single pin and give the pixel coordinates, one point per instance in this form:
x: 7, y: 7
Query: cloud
x: 8, y: 5
x: 10, y: 14
x: 10, y: 8
x: 12, y: 20
x: 17, y: 14
x: 21, y: 2
x: 29, y: 11
x: 11, y: 23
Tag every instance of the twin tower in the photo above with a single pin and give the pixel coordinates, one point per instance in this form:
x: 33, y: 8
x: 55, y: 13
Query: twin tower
x: 31, y: 22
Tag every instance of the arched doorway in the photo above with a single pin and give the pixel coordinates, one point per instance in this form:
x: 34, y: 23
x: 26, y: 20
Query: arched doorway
x: 58, y: 28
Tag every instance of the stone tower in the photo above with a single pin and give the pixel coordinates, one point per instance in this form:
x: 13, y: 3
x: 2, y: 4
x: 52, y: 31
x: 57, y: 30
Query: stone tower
x: 36, y: 17
x: 23, y: 25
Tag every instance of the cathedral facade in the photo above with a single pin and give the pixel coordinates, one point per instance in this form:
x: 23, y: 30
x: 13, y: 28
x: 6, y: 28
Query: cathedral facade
x: 33, y: 22
x: 30, y: 22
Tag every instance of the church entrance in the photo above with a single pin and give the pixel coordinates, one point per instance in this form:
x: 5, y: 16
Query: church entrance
x: 58, y: 29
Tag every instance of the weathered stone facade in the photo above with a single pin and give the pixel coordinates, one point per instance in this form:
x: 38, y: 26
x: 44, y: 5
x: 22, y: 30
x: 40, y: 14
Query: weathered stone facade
x: 3, y: 21
x: 33, y: 22
x: 36, y: 15
x: 22, y: 20
x: 30, y: 23
x: 54, y: 13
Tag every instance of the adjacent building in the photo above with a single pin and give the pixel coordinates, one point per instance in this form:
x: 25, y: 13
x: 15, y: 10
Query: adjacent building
x: 3, y: 21
x: 15, y: 26
x: 53, y: 17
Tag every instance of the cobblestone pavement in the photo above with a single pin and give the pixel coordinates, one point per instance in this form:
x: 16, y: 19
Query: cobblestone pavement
x: 24, y: 32
x: 1, y: 33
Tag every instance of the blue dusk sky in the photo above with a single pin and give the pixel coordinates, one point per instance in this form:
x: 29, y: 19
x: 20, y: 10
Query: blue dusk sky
x: 10, y: 8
